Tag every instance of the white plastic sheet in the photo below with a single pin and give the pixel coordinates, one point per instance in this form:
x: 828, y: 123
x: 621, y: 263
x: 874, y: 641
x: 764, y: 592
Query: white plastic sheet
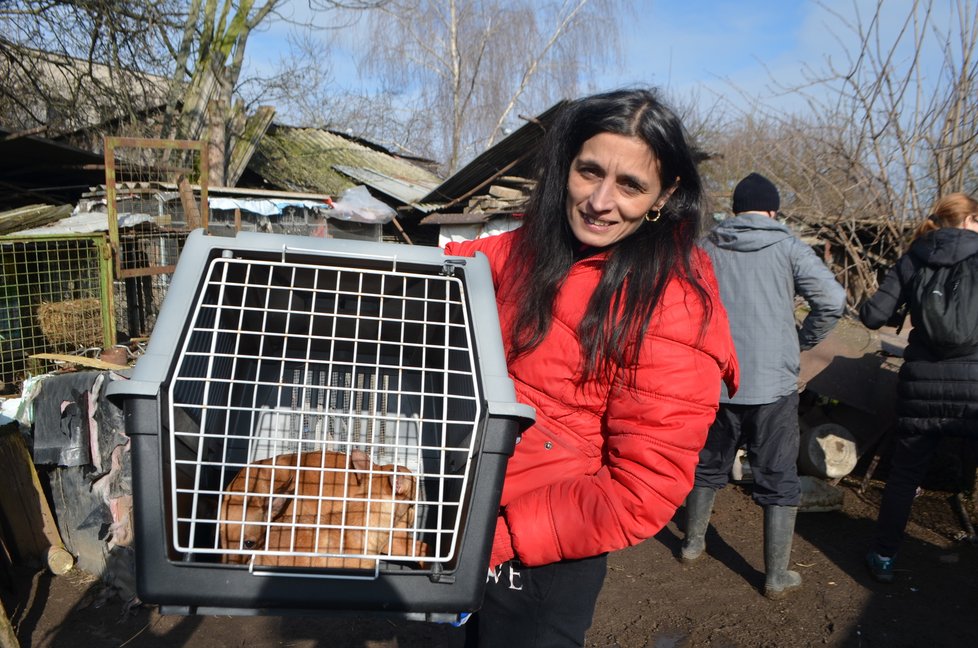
x: 356, y: 204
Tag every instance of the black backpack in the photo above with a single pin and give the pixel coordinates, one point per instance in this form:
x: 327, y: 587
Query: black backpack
x: 944, y: 305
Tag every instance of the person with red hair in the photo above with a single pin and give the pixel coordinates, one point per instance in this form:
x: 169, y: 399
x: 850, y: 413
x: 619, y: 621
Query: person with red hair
x: 937, y: 385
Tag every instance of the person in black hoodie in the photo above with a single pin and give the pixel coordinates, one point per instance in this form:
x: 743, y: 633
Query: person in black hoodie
x: 938, y: 391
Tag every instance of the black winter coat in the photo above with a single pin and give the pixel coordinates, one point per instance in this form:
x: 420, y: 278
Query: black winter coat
x: 934, y: 395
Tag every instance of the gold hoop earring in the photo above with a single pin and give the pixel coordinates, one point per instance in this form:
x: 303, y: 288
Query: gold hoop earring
x: 650, y: 218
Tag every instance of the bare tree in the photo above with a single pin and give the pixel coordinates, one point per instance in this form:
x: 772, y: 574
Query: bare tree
x: 208, y: 58
x: 68, y: 64
x: 208, y: 63
x: 320, y: 101
x: 461, y: 71
x: 907, y: 107
x: 913, y: 114
x: 889, y: 127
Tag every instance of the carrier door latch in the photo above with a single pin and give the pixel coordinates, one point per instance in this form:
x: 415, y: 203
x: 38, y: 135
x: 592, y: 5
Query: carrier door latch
x: 438, y: 575
x: 448, y: 268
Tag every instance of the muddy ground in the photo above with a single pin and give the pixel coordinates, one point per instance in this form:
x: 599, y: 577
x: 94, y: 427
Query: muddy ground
x: 650, y: 600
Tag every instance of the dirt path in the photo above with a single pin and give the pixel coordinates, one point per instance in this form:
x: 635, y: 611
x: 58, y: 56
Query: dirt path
x: 650, y: 600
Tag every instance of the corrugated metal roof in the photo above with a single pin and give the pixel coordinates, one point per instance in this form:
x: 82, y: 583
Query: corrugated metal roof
x: 242, y: 148
x: 304, y: 159
x: 511, y: 156
x: 466, y: 218
x: 404, y: 191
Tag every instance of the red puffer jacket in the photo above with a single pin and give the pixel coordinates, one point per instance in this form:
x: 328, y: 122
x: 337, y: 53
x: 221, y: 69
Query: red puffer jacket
x: 606, y: 465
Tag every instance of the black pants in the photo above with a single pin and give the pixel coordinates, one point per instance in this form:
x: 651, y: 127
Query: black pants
x: 771, y: 435
x: 538, y: 607
x: 908, y: 467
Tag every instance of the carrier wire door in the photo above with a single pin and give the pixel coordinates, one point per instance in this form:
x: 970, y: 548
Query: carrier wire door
x: 320, y: 424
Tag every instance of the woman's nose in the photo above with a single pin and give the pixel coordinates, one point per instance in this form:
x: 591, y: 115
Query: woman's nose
x: 603, y: 197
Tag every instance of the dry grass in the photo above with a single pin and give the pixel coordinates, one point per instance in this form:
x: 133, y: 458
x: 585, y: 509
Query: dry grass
x: 72, y: 323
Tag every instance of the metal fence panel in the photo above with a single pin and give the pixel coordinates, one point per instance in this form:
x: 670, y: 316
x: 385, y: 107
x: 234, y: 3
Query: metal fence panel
x: 54, y: 298
x: 148, y: 227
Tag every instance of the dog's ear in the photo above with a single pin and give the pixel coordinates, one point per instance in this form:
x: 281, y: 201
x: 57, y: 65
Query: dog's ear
x: 359, y: 464
x: 278, y: 506
x: 283, y: 472
x: 360, y: 460
x: 275, y: 483
x: 271, y: 487
x: 283, y: 480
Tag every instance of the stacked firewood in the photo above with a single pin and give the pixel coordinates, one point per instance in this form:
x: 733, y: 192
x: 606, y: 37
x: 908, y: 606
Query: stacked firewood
x: 507, y: 195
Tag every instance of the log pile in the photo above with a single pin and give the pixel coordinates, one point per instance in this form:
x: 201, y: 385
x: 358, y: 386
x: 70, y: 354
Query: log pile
x: 508, y: 195
x: 29, y: 531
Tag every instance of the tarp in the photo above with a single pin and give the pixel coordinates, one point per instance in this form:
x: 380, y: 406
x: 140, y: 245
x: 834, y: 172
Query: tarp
x: 263, y: 206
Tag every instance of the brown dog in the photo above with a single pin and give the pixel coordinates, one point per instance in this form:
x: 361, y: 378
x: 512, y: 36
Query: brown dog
x: 322, y: 502
x: 302, y: 535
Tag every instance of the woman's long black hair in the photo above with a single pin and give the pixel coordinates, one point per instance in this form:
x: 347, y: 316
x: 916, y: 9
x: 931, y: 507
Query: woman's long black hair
x: 638, y: 267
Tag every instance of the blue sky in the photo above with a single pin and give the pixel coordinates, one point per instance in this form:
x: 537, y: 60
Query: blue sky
x: 682, y: 45
x: 751, y: 46
x: 700, y: 47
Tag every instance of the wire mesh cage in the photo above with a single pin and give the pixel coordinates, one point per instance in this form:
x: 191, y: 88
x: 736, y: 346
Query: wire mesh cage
x: 54, y: 298
x: 160, y: 187
x: 334, y: 416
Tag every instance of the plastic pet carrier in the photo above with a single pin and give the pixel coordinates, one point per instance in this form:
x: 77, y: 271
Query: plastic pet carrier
x: 320, y: 425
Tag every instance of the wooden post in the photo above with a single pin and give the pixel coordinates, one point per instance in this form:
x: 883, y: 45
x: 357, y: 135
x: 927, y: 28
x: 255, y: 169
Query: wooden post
x: 8, y: 639
x: 25, y: 507
x: 190, y: 212
x: 216, y: 143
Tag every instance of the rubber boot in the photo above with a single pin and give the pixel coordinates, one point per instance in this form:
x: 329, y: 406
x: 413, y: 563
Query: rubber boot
x: 779, y: 527
x: 699, y: 505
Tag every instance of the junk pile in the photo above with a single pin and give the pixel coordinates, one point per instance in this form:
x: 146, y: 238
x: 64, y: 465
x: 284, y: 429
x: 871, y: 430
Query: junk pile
x: 64, y: 437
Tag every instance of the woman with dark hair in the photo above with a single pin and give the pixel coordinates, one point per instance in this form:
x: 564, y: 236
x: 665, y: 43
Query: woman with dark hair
x: 937, y: 386
x: 615, y: 334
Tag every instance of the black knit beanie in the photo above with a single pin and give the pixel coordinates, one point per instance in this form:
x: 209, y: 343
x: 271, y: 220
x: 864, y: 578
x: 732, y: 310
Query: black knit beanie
x: 755, y: 193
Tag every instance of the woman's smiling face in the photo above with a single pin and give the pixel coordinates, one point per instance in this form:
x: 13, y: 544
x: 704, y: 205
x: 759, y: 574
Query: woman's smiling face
x: 613, y: 182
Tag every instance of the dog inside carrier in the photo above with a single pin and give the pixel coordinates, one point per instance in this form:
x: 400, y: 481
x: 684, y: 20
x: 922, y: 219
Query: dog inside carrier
x: 320, y: 424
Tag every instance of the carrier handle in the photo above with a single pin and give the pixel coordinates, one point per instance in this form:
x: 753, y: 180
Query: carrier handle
x: 286, y: 249
x: 273, y: 574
